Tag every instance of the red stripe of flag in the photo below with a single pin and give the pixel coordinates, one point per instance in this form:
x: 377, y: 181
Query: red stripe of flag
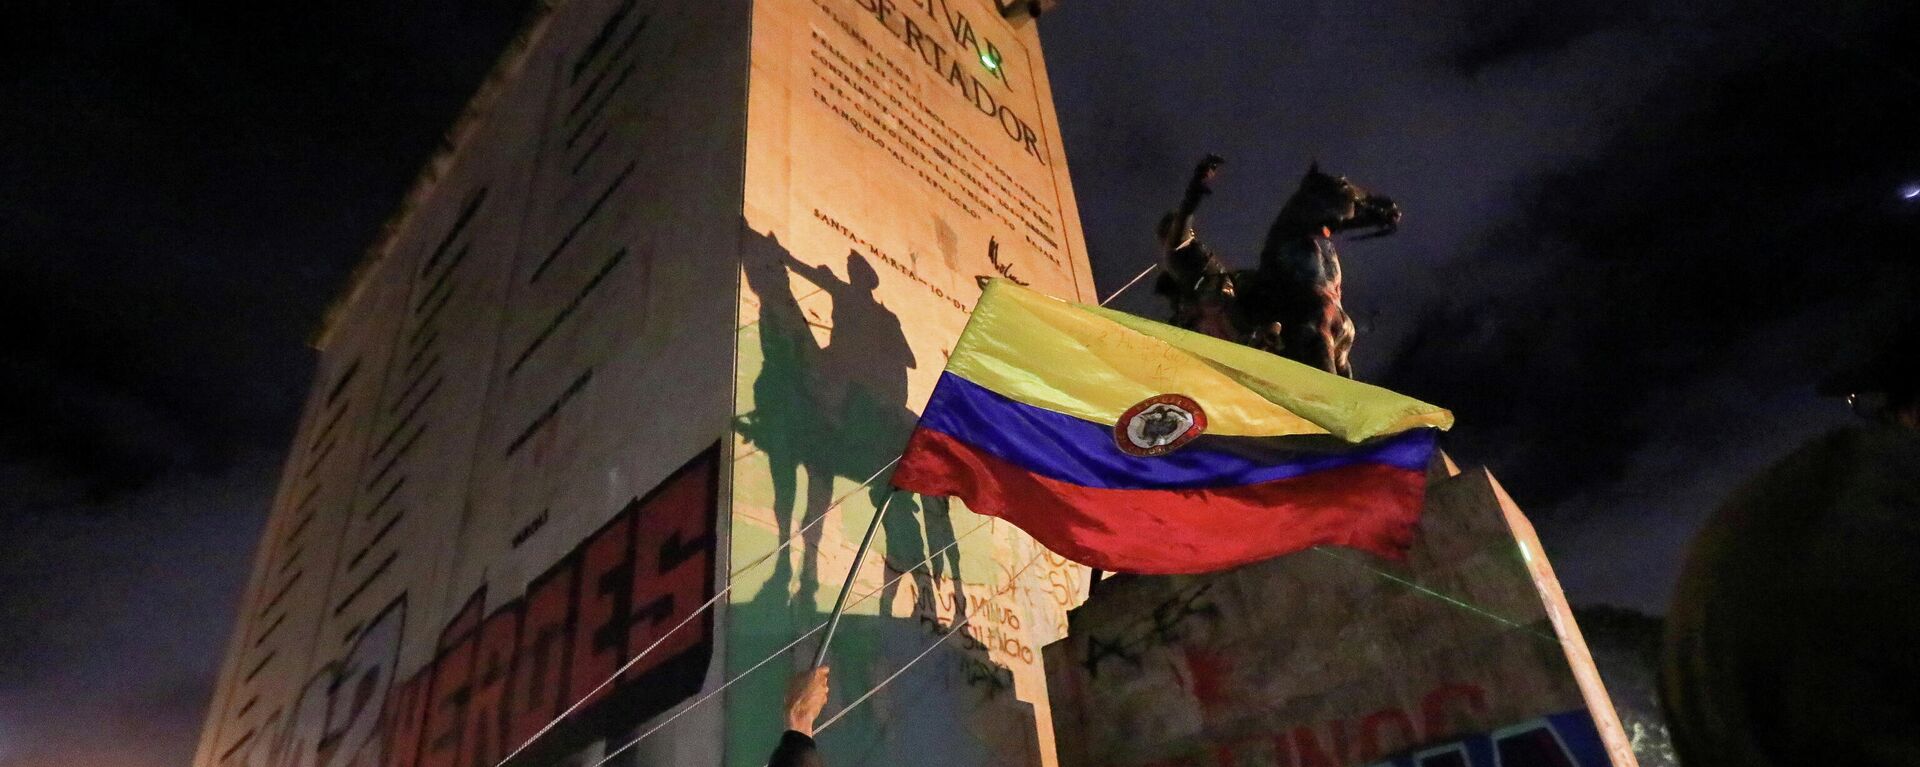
x: 1370, y: 507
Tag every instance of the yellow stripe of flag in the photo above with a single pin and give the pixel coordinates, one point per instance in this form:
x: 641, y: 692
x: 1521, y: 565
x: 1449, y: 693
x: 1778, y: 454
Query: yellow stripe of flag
x: 1094, y: 363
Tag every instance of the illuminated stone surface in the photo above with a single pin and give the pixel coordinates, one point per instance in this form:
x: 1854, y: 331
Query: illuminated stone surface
x: 1335, y: 657
x: 678, y: 284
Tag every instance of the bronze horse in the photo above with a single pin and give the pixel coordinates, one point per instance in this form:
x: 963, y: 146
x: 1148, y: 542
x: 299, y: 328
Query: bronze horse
x: 1290, y: 304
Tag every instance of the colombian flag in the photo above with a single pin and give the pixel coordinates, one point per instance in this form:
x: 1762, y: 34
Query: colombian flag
x: 1133, y: 446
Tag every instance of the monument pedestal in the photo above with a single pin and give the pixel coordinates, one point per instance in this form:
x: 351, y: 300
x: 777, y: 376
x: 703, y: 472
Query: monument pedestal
x: 1465, y: 655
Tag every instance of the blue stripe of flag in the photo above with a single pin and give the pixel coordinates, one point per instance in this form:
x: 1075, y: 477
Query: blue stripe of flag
x: 1069, y: 449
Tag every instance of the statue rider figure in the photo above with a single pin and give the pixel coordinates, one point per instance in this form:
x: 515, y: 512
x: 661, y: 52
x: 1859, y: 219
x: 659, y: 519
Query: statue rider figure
x: 1290, y: 304
x: 1193, y: 279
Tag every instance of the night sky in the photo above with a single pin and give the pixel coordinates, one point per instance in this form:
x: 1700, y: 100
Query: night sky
x: 1636, y: 236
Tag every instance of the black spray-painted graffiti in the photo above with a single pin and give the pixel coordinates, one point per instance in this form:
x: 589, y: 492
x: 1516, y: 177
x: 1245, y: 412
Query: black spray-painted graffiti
x: 1163, y: 626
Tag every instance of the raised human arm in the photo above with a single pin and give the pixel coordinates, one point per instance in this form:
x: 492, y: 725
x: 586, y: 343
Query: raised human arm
x: 1178, y: 227
x: 806, y: 697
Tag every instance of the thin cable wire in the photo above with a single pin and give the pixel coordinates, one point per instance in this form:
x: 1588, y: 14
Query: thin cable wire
x: 1136, y: 278
x: 862, y: 598
x: 797, y: 640
x: 959, y: 624
x: 709, y: 696
x: 784, y: 545
x: 821, y: 517
x: 962, y: 623
x: 715, y: 599
x: 930, y: 648
x: 1455, y: 601
x: 853, y: 571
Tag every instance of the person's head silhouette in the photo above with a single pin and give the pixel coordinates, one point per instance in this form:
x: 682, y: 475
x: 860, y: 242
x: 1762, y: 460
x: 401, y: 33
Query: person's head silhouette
x: 860, y: 274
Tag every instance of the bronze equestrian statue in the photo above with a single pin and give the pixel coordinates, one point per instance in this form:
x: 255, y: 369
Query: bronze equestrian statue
x: 1192, y: 277
x: 1290, y: 304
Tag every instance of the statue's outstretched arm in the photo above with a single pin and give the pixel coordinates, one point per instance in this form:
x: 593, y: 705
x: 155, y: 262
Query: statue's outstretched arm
x: 818, y: 275
x: 1179, y: 226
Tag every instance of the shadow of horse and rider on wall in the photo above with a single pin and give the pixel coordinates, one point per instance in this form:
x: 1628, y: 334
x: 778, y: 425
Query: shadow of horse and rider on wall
x: 834, y: 412
x: 836, y: 409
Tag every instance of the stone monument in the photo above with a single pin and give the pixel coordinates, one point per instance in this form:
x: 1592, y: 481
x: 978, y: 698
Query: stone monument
x: 672, y: 291
x: 1464, y: 655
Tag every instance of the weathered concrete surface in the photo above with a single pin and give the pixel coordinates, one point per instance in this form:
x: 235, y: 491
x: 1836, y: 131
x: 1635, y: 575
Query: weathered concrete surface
x: 1334, y: 657
x: 888, y: 168
x: 679, y: 281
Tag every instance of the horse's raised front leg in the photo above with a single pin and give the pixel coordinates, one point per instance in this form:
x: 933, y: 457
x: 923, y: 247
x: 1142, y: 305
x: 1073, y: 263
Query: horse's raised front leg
x: 1308, y: 343
x: 1340, y: 341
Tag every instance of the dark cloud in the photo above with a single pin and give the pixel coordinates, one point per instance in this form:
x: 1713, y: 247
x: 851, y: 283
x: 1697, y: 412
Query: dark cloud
x: 1742, y: 223
x: 187, y: 185
x: 115, y: 614
x: 1509, y: 33
x: 1637, y: 232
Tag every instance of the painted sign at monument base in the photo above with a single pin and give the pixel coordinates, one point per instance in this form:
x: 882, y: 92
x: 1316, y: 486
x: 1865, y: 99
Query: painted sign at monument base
x: 1464, y: 655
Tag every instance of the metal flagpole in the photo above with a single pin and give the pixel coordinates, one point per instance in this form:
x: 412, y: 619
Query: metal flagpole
x: 1136, y: 278
x: 1094, y: 581
x: 840, y: 604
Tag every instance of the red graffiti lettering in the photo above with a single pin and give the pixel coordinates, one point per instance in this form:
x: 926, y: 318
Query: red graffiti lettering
x: 1444, y: 711
x: 447, y: 704
x: 606, y: 589
x: 535, y: 696
x: 1384, y: 732
x: 1311, y: 753
x: 673, y: 565
x: 497, y: 679
x: 485, y: 739
x: 1452, y: 708
x: 405, y: 717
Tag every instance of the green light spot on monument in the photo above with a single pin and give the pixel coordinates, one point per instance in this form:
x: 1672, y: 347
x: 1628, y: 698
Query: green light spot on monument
x: 990, y: 61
